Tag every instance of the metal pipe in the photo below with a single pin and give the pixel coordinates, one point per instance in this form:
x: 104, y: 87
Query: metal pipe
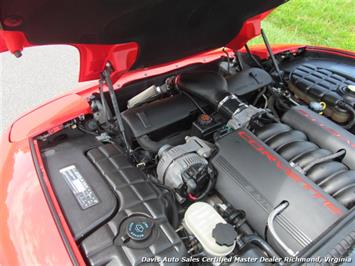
x: 270, y: 222
x: 107, y: 78
x: 273, y: 59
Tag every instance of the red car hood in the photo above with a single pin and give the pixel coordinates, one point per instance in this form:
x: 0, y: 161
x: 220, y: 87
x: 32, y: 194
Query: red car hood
x: 131, y: 34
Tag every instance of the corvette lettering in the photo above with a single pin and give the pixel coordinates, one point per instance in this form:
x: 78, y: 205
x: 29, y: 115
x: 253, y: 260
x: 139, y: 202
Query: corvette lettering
x: 289, y: 172
x: 328, y: 129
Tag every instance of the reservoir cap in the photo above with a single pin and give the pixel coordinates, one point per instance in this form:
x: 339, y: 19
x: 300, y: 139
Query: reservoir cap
x: 139, y: 228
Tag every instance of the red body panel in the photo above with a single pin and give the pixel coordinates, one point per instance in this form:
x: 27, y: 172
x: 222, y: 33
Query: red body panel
x: 29, y: 233
x: 262, y: 53
x: 93, y: 58
x: 48, y: 116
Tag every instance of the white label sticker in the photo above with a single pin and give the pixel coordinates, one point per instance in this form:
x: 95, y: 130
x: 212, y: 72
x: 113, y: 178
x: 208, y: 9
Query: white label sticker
x: 80, y: 188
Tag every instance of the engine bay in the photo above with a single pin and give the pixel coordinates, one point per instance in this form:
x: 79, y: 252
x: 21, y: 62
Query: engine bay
x: 238, y: 158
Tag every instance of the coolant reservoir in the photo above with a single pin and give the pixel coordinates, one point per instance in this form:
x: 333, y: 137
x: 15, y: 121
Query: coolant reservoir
x: 200, y: 220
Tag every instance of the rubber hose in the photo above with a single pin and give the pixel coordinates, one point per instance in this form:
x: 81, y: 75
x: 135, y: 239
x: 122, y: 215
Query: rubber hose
x: 153, y: 146
x: 349, y: 108
x: 174, y: 211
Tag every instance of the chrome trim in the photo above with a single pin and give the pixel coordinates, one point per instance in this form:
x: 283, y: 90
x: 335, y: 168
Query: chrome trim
x: 241, y: 107
x: 225, y: 99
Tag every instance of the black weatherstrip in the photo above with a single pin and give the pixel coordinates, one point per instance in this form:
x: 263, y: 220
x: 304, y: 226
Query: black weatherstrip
x: 51, y: 205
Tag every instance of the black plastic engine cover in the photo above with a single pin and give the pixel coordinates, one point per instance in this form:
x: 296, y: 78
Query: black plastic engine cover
x: 323, y: 132
x: 248, y: 81
x: 70, y: 153
x: 140, y: 203
x: 128, y: 221
x: 255, y: 179
x: 318, y: 81
x: 157, y: 115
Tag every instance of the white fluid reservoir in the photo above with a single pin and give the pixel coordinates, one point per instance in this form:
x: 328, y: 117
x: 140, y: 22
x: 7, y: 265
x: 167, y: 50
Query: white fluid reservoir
x: 200, y: 219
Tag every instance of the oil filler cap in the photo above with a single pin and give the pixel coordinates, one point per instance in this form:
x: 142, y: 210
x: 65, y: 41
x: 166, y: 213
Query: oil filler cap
x: 139, y: 228
x: 224, y: 234
x: 204, y: 120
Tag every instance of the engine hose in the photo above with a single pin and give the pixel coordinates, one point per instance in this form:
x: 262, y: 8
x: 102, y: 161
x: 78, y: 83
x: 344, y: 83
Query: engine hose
x: 271, y: 116
x: 257, y: 98
x: 174, y: 219
x: 271, y: 106
x: 252, y: 57
x: 349, y: 108
x: 262, y: 244
x: 199, y: 107
x: 153, y: 146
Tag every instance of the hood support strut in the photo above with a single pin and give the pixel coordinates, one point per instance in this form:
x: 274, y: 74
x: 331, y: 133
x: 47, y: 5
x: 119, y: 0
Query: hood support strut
x: 106, y: 78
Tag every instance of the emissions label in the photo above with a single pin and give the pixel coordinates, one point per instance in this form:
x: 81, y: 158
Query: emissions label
x: 81, y: 190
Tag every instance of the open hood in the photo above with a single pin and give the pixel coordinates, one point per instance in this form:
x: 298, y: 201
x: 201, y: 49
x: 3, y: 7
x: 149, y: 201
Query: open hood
x: 136, y: 33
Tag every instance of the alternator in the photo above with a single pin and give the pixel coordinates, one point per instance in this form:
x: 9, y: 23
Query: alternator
x: 185, y: 167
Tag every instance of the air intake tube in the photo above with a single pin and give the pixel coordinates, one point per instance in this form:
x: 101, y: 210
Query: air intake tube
x: 210, y: 87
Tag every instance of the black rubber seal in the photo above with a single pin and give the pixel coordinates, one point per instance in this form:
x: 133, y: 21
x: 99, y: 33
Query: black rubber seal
x: 51, y: 205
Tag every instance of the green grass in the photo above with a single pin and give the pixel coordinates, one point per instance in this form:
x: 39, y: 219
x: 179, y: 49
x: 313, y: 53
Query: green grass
x: 315, y: 22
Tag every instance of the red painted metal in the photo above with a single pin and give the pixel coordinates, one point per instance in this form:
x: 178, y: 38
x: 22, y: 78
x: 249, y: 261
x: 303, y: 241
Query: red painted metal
x: 251, y: 28
x: 28, y: 232
x: 48, y: 116
x: 334, y: 51
x: 93, y: 58
x: 13, y: 41
x: 261, y: 51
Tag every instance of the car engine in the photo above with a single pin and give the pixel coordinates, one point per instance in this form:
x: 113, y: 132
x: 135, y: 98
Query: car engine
x: 215, y: 164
